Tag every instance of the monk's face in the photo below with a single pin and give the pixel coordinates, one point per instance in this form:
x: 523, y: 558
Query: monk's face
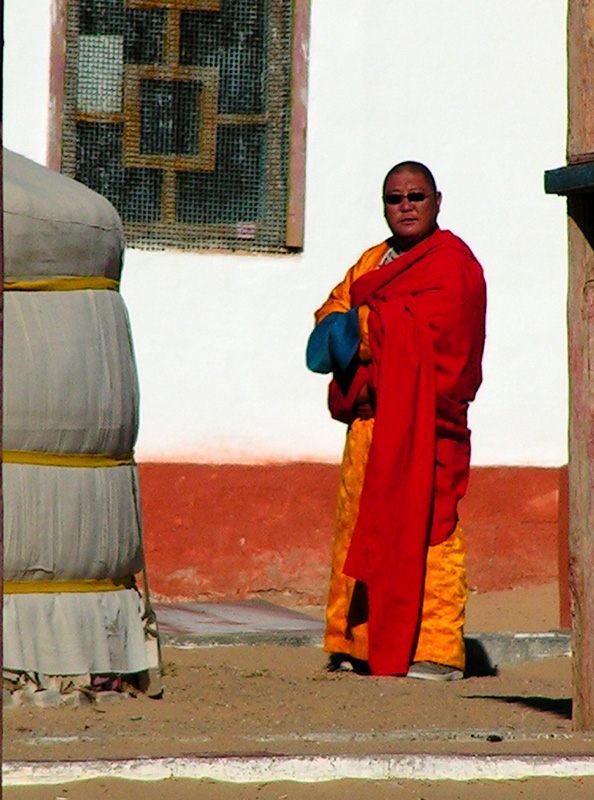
x: 414, y: 217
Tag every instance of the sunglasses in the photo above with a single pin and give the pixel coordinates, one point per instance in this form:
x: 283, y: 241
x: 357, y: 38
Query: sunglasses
x: 412, y: 197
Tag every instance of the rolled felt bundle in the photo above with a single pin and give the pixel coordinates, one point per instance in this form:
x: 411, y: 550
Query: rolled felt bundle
x: 73, y: 538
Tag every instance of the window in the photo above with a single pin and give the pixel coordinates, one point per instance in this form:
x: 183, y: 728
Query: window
x: 187, y: 116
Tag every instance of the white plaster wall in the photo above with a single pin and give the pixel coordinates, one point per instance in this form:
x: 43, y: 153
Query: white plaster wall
x: 476, y: 89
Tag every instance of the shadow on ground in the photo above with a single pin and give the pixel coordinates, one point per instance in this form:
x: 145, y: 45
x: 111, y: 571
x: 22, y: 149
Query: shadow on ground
x: 561, y: 707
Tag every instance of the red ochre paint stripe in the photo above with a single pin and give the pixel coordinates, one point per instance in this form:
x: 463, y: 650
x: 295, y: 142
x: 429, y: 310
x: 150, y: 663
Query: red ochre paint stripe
x: 217, y: 532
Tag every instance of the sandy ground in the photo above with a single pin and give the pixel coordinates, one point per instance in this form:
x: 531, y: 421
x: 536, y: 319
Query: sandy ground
x: 240, y: 700
x: 280, y: 700
x: 537, y: 789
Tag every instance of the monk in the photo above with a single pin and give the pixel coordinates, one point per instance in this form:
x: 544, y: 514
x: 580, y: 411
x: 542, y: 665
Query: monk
x: 403, y: 335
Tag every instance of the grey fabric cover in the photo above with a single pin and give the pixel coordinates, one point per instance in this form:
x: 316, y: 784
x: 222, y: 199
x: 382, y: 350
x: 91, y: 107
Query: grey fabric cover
x: 70, y: 388
x: 71, y: 383
x: 63, y: 523
x: 56, y: 226
x: 74, y: 634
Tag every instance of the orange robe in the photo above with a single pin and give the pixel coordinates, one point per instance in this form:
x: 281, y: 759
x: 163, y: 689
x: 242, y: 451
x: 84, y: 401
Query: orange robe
x: 440, y: 620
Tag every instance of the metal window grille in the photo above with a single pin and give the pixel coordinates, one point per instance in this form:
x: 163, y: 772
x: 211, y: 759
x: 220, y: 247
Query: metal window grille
x: 178, y: 111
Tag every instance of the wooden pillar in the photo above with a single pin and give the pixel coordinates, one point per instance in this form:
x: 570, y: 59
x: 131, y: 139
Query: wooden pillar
x: 581, y: 453
x: 580, y: 80
x: 580, y: 206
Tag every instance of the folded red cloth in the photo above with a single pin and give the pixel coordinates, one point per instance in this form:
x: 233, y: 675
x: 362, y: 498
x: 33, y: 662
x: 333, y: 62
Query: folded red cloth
x: 427, y: 329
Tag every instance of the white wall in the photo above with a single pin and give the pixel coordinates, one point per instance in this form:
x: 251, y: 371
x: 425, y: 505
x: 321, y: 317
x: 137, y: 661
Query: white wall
x: 475, y: 89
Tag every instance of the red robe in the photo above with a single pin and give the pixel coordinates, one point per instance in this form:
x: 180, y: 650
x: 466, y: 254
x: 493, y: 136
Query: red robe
x: 427, y: 328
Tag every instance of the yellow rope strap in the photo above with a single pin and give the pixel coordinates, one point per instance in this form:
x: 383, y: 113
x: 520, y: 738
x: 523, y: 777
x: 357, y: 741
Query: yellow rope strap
x: 58, y: 587
x: 62, y: 283
x: 66, y: 459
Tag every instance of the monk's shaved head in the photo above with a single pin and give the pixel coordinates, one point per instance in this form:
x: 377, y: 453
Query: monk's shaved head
x: 414, y: 167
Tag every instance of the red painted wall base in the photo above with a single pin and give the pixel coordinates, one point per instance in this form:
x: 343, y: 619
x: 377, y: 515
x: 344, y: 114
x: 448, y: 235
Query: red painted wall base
x: 230, y: 531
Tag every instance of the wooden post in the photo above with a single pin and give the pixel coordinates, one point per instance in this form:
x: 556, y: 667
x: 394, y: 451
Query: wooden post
x: 580, y: 206
x: 580, y: 81
x: 581, y: 453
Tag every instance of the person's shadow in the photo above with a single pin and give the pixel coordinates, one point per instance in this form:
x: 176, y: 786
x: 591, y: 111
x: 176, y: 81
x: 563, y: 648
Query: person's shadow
x: 478, y: 663
x: 561, y: 707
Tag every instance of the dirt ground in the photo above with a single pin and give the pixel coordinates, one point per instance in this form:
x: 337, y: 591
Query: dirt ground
x: 280, y: 700
x: 537, y: 789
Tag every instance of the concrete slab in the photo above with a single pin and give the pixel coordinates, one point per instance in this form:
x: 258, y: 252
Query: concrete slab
x: 245, y: 622
x: 260, y: 622
x: 503, y: 649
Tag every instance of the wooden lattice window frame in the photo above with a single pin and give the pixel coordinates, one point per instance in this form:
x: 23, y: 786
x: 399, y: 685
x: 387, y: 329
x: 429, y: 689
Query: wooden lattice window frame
x: 295, y: 149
